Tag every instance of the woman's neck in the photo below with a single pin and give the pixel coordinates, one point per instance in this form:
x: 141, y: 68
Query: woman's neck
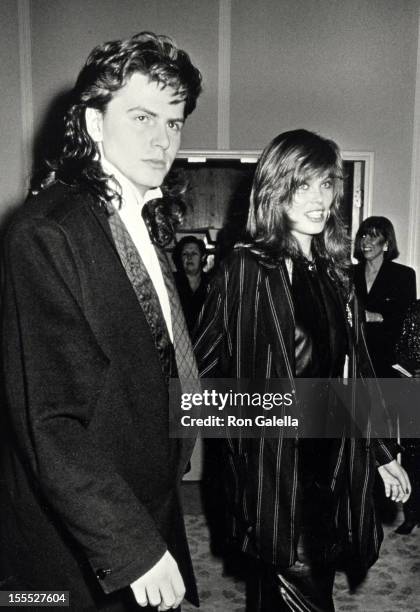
x: 371, y: 270
x: 194, y: 281
x: 373, y: 265
x: 305, y: 244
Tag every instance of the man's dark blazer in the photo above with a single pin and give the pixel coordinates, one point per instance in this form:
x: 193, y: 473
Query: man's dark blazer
x: 247, y: 331
x: 90, y: 478
x: 393, y: 290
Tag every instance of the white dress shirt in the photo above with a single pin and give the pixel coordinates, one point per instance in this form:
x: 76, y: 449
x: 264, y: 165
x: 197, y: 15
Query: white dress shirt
x: 131, y: 215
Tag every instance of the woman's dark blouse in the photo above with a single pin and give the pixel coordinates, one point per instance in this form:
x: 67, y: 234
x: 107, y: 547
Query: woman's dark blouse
x: 191, y: 301
x: 320, y: 332
x: 320, y: 349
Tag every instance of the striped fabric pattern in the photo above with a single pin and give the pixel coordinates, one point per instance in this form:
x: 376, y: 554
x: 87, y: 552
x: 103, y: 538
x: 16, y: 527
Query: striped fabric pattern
x: 246, y: 330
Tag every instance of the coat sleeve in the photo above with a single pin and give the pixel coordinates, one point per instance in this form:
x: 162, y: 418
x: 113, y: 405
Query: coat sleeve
x: 385, y: 450
x: 54, y: 372
x: 209, y: 336
x: 216, y: 330
x: 405, y: 293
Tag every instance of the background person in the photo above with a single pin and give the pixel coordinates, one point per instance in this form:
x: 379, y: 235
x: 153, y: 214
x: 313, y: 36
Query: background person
x: 408, y: 355
x: 384, y: 288
x: 92, y: 331
x: 190, y: 258
x: 277, y: 309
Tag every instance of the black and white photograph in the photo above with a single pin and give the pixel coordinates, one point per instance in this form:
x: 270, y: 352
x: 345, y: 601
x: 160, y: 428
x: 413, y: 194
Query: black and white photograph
x: 210, y: 324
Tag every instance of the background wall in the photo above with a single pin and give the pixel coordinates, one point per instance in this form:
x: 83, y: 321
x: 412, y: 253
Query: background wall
x: 345, y: 68
x: 65, y: 31
x: 11, y: 149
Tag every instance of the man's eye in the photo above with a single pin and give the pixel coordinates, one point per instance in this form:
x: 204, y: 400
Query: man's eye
x: 175, y: 126
x: 142, y: 118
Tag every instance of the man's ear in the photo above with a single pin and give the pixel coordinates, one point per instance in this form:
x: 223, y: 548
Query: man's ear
x: 93, y: 118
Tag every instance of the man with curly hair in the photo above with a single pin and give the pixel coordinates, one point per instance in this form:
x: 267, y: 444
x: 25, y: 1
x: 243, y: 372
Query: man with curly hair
x: 92, y: 333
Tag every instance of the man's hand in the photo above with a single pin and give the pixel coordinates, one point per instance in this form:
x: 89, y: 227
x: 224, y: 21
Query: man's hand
x: 396, y: 481
x: 161, y: 586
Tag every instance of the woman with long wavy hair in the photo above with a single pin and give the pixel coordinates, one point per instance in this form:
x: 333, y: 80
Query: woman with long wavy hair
x: 280, y: 308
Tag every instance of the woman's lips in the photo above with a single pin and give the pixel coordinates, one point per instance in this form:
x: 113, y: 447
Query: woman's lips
x: 316, y: 215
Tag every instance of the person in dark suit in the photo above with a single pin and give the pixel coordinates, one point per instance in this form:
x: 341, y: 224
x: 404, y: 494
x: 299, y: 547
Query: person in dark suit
x: 92, y: 332
x: 279, y: 309
x: 384, y: 288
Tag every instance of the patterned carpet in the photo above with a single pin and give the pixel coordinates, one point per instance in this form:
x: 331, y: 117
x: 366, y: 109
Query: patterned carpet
x: 393, y: 584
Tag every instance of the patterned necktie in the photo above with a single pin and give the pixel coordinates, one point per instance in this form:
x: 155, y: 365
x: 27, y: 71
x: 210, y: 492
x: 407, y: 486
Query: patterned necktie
x: 184, y: 354
x: 146, y: 293
x: 143, y: 288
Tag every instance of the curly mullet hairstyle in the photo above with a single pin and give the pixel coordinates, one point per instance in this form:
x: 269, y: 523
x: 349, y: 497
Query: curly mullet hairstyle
x: 289, y: 160
x: 107, y: 70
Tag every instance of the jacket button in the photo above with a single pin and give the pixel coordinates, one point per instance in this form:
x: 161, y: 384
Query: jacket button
x: 101, y: 574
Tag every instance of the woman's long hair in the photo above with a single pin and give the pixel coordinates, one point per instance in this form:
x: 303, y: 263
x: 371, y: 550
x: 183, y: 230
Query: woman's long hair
x: 289, y: 160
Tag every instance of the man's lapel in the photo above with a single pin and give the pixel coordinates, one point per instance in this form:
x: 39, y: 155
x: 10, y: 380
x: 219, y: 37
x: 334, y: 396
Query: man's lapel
x: 183, y: 347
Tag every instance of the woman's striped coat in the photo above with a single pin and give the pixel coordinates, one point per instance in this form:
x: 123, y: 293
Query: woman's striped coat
x: 246, y: 330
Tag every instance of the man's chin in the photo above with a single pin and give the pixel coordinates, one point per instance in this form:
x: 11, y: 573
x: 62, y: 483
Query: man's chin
x: 149, y: 180
x: 144, y: 186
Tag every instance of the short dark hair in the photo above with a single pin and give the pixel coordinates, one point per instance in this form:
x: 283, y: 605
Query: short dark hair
x: 177, y: 252
x: 290, y: 159
x: 106, y: 71
x: 377, y: 226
